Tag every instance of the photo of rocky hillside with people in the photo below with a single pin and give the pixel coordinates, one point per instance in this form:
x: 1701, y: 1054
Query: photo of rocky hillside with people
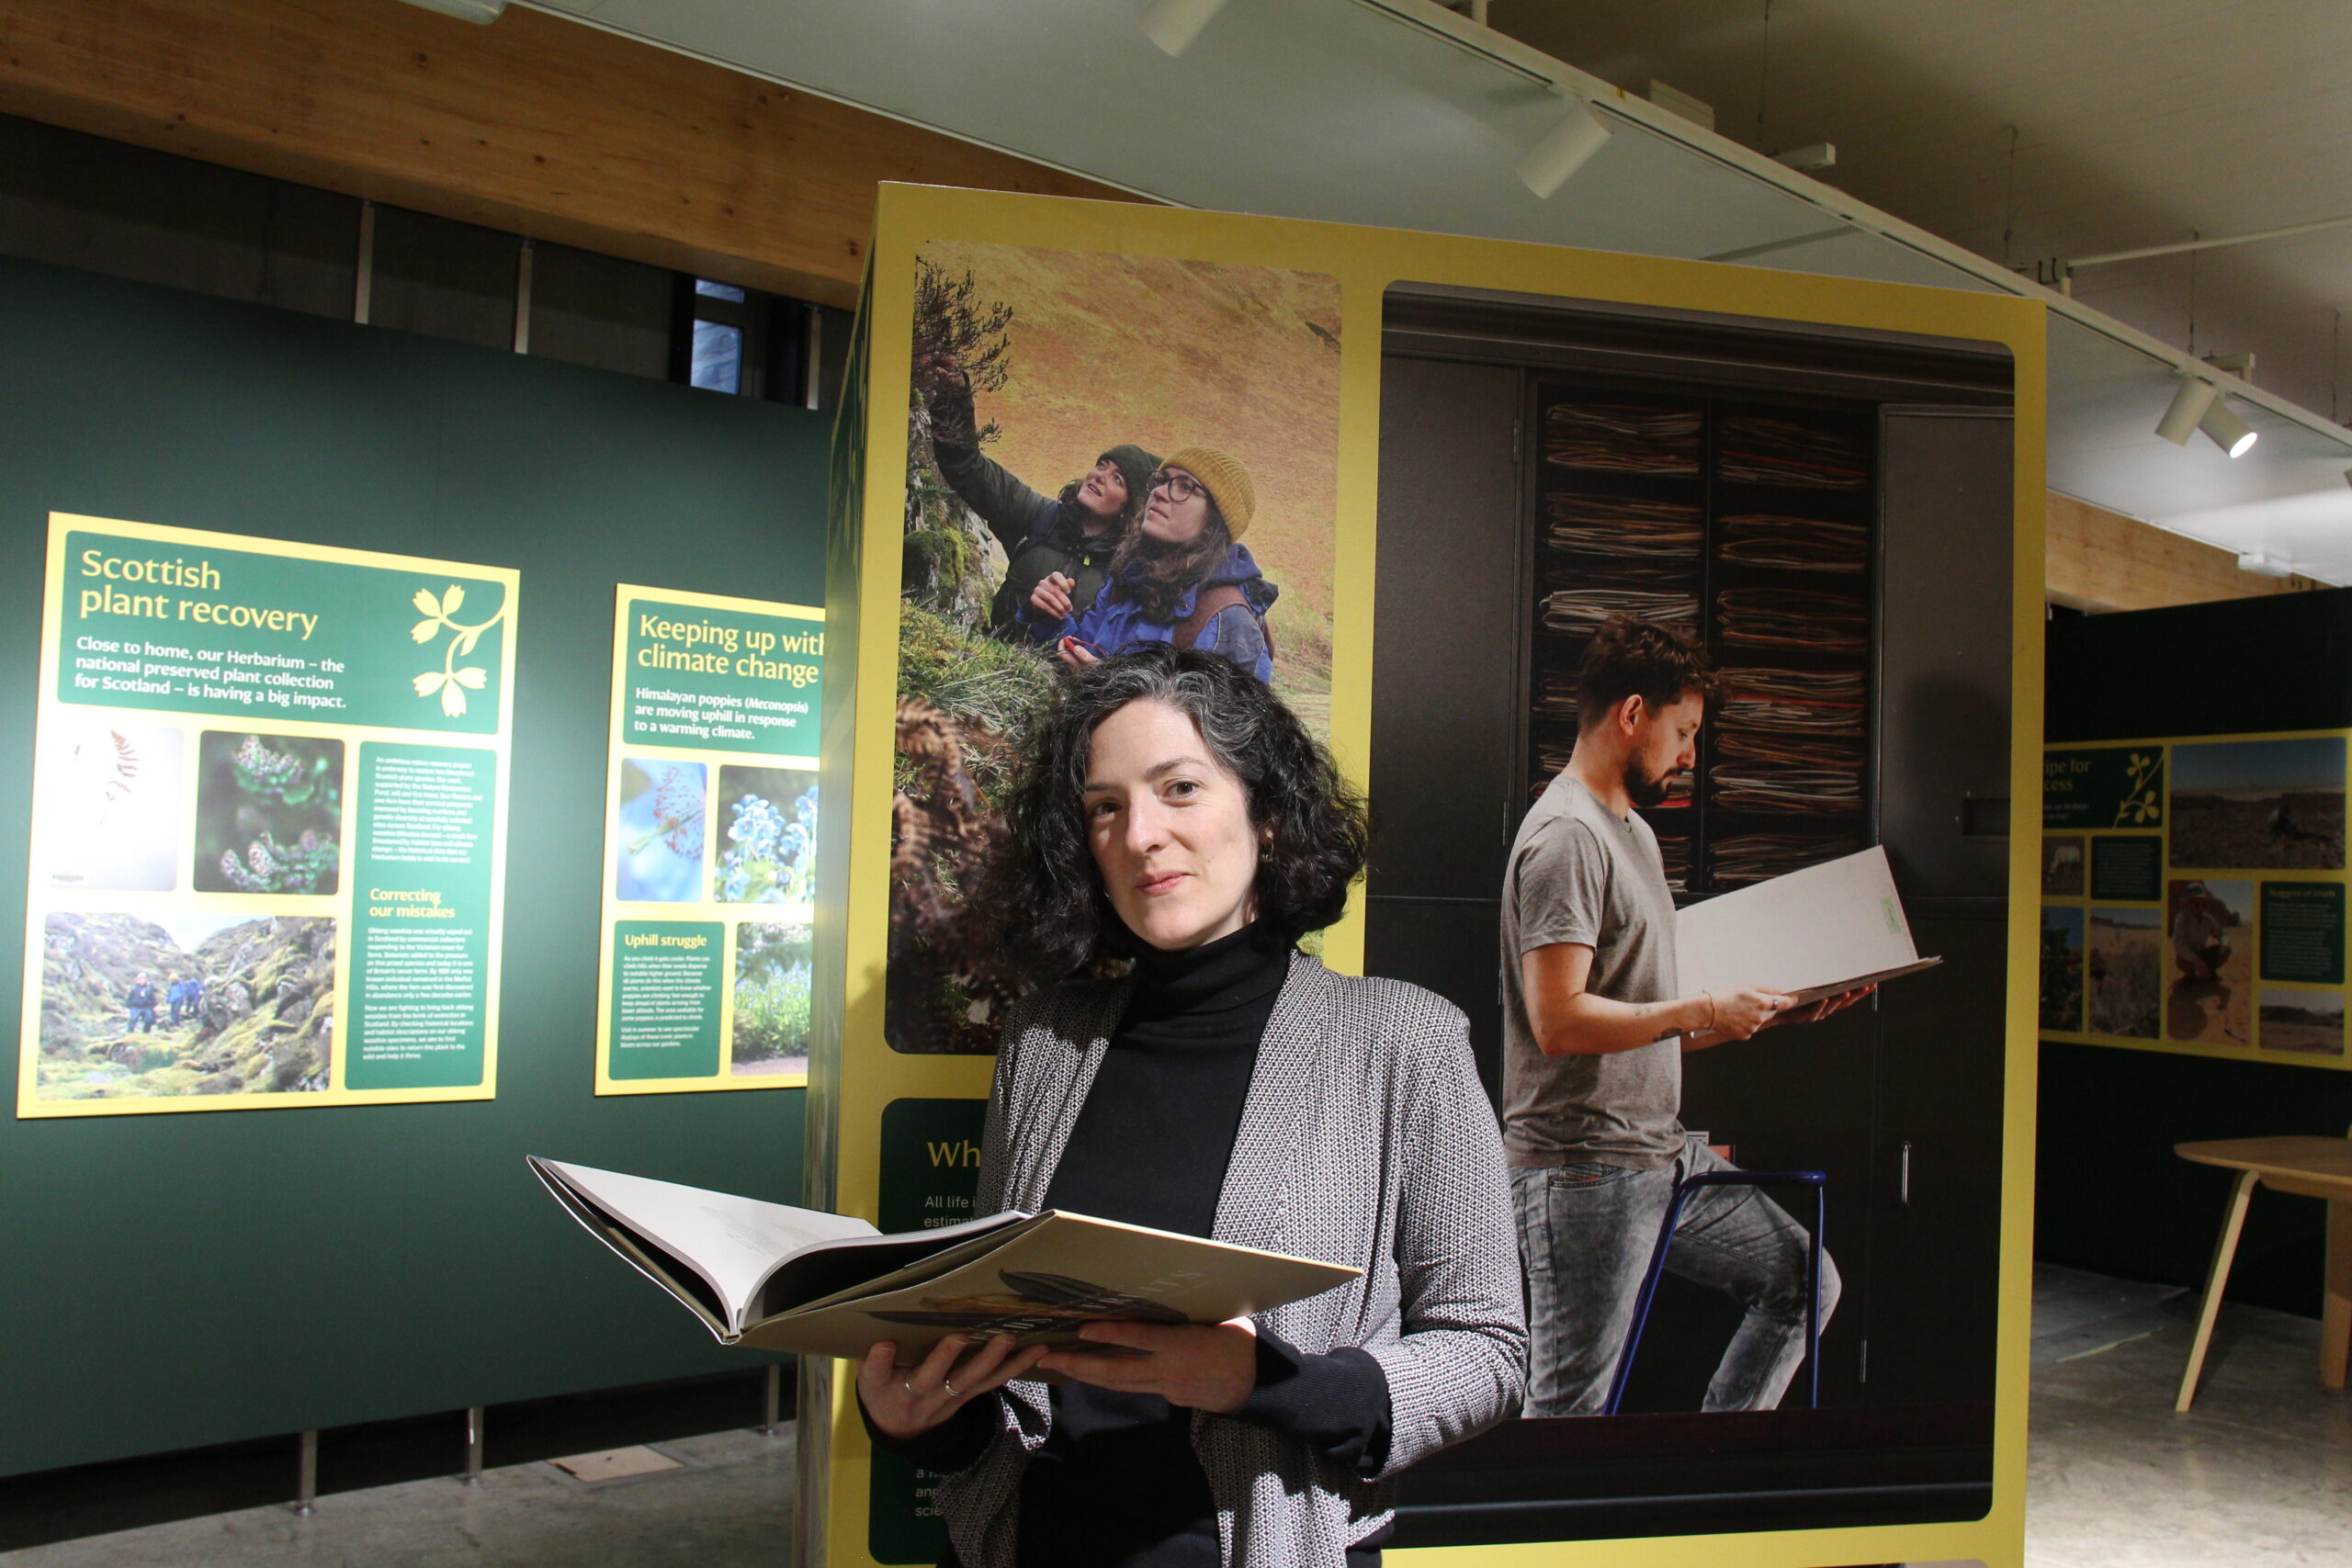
x: 1102, y: 451
x: 135, y: 1009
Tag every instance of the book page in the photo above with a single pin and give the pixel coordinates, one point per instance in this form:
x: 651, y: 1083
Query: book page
x: 732, y: 1242
x: 1047, y: 1281
x: 1823, y: 927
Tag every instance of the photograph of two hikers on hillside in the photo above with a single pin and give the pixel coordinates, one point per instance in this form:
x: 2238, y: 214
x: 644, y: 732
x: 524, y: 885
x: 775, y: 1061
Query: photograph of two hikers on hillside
x: 1102, y: 451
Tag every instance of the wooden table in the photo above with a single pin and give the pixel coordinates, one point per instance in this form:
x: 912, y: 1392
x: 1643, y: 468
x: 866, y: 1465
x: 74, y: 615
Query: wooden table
x: 2311, y: 1167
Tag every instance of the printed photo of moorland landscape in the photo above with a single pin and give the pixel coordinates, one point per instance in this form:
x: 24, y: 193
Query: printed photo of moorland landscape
x: 2259, y: 804
x: 197, y: 1004
x: 2309, y: 1023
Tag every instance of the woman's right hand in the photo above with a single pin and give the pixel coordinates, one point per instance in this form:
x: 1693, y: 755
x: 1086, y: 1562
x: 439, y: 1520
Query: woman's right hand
x: 1051, y: 597
x: 1740, y: 1013
x: 904, y: 1403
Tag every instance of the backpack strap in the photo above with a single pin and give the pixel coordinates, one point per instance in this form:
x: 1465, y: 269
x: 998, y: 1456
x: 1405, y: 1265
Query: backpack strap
x: 1207, y: 606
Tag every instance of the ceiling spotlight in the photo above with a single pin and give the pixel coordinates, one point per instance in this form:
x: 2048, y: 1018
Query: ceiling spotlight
x: 483, y: 12
x: 2189, y: 402
x: 1174, y: 24
x: 2230, y: 433
x: 1569, y: 146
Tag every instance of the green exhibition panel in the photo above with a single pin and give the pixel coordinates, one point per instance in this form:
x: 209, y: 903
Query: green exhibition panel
x: 299, y: 1260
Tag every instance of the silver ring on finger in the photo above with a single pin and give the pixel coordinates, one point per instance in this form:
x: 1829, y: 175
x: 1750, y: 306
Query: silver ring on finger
x: 909, y: 1384
x: 947, y: 1386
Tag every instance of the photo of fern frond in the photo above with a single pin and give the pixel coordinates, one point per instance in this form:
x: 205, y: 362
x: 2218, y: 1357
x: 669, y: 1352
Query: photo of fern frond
x: 1048, y: 388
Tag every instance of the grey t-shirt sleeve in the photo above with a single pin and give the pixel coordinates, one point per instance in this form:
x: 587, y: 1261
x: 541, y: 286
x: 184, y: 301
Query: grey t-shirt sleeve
x: 1563, y: 886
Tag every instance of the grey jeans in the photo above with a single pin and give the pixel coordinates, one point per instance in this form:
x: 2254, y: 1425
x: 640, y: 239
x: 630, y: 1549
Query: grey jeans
x: 1585, y: 1235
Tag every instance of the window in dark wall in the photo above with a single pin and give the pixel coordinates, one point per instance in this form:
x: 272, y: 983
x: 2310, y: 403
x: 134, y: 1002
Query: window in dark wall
x: 725, y: 338
x: 717, y: 357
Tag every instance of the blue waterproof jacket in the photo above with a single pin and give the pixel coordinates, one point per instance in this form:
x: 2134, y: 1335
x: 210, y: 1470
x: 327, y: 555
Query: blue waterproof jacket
x: 1115, y: 623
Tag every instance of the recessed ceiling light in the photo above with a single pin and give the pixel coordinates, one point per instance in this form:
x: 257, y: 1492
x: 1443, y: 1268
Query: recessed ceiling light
x: 1567, y: 147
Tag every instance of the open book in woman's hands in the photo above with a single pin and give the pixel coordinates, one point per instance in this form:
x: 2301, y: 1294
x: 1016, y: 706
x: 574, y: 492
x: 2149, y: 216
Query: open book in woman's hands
x: 779, y: 1277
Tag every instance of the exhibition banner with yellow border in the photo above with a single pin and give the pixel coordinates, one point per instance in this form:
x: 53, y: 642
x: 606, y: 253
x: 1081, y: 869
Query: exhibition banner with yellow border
x: 710, y: 844
x: 897, y: 1094
x: 2193, y: 896
x: 268, y: 828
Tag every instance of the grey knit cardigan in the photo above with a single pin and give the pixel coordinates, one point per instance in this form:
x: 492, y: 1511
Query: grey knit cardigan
x: 1365, y: 1140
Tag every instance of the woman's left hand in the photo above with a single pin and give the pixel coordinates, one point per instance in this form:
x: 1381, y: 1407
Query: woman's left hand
x: 1210, y: 1367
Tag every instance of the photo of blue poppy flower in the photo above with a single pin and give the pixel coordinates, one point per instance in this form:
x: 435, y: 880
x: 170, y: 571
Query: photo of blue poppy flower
x: 658, y: 857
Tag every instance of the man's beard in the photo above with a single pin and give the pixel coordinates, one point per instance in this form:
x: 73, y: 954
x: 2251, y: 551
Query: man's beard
x: 1642, y: 789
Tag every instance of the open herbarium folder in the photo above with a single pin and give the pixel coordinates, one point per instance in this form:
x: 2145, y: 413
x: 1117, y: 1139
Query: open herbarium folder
x: 777, y: 1278
x: 1829, y: 928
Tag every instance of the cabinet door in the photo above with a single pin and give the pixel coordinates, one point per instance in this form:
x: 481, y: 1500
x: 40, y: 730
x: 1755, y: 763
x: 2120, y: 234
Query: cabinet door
x: 1944, y: 695
x: 1445, y: 711
x: 1935, y: 1251
x: 1446, y: 718
x: 1946, y: 504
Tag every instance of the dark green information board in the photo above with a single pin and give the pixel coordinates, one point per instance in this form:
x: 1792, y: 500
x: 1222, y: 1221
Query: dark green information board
x: 351, y: 1263
x: 930, y: 1171
x: 2128, y: 867
x: 665, y: 997
x: 721, y: 679
x: 2107, y: 786
x: 2302, y: 931
x: 420, y: 915
x: 148, y: 624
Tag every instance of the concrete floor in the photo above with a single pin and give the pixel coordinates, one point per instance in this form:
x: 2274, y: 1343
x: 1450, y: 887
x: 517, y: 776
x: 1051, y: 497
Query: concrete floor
x: 729, y: 1505
x: 2258, y: 1475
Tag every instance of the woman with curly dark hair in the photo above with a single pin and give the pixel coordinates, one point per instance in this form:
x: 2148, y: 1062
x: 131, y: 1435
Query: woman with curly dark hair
x: 1170, y: 812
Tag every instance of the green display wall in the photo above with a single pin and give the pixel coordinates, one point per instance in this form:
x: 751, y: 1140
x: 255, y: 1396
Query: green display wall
x: 174, y: 1280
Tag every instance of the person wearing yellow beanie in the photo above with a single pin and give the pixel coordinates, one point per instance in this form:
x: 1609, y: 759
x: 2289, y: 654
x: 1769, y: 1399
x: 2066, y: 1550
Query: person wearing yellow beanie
x: 1222, y: 475
x: 1184, y: 577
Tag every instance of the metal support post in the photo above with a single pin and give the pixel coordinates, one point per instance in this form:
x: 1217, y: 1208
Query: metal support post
x: 522, y: 299
x: 773, y: 1411
x: 305, y: 1485
x: 812, y: 354
x: 363, y: 282
x: 473, y: 1446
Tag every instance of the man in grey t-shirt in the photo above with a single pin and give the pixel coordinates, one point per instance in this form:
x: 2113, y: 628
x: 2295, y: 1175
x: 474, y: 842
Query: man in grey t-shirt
x: 1594, y: 1029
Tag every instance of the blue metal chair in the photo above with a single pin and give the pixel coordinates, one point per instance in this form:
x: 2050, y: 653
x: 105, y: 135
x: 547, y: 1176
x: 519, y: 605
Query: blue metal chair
x: 1820, y: 1182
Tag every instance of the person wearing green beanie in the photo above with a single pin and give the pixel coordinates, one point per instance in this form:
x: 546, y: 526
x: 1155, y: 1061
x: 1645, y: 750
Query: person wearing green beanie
x: 1070, y: 538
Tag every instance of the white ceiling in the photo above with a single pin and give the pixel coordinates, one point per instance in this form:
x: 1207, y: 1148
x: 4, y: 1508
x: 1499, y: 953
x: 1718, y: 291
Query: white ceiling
x: 1399, y: 113
x: 2134, y: 122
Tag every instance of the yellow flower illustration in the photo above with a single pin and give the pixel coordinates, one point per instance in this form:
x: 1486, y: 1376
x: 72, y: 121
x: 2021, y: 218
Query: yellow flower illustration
x: 452, y: 681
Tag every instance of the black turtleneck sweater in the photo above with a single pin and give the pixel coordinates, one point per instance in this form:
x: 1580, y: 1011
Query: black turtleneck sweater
x: 1117, y: 1482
